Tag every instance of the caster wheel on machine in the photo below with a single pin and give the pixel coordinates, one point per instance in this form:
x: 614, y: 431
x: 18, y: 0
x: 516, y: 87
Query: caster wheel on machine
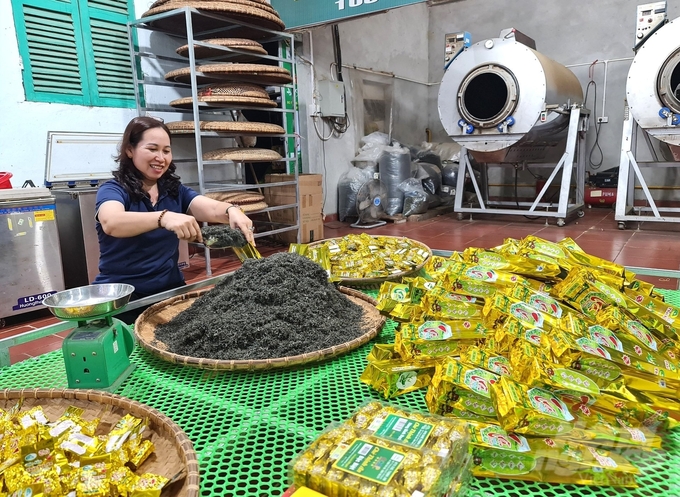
x: 580, y: 213
x: 560, y: 222
x: 622, y: 226
x: 459, y: 216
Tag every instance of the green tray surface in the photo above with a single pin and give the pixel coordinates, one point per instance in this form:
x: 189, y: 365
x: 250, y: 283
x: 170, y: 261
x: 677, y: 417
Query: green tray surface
x: 247, y: 426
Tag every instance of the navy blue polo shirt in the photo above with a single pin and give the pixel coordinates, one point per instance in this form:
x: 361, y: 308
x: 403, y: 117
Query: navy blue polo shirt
x: 147, y: 261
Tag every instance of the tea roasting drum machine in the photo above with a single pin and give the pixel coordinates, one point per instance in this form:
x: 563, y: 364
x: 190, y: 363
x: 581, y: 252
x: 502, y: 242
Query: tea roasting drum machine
x: 507, y: 104
x: 653, y: 105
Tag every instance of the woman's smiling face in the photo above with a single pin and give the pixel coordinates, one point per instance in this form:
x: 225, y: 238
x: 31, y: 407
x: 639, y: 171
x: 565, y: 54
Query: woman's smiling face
x: 152, y: 155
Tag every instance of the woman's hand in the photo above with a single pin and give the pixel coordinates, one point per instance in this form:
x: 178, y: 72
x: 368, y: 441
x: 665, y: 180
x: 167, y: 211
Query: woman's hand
x: 237, y: 219
x: 182, y: 225
x: 213, y: 211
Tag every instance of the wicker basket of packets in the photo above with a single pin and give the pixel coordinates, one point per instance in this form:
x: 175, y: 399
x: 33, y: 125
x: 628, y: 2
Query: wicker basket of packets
x: 85, y: 442
x: 368, y: 261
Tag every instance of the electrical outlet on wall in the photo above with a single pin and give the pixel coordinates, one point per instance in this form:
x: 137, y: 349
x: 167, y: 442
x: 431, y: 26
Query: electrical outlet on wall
x: 602, y: 120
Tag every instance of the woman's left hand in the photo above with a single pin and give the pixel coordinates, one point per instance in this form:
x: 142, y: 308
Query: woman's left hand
x: 237, y: 219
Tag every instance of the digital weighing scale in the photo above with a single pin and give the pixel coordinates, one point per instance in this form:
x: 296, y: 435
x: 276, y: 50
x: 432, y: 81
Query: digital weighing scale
x: 97, y: 351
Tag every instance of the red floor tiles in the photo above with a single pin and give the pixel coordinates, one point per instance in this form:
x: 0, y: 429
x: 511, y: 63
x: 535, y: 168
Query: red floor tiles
x: 649, y: 245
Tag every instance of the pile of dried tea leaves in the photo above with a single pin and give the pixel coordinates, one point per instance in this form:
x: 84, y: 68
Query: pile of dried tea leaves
x: 222, y: 236
x: 279, y: 306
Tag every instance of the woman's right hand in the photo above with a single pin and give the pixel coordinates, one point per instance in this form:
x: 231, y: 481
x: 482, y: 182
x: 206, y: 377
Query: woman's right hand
x: 184, y: 226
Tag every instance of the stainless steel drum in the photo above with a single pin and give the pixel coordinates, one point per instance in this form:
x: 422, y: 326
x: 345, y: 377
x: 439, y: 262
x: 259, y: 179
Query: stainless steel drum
x: 499, y: 99
x: 653, y: 86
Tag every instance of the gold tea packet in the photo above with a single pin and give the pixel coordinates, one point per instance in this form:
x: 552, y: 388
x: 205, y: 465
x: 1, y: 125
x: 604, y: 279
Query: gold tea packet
x: 418, y: 287
x: 496, y: 364
x: 149, y: 485
x: 516, y: 264
x: 665, y: 311
x: 586, y: 294
x: 529, y: 410
x: 486, y: 275
x: 460, y: 390
x: 446, y: 308
x: 141, y: 453
x: 498, y: 308
x: 497, y: 463
x: 531, y: 245
x: 460, y: 285
x: 298, y: 248
x: 246, y: 252
x: 396, y: 377
x: 430, y: 339
x: 382, y: 352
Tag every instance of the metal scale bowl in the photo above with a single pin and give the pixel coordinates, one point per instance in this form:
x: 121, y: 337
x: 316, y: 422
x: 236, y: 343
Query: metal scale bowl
x: 97, y: 351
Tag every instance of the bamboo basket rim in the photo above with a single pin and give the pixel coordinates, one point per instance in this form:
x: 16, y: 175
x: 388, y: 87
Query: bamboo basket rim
x: 159, y: 422
x: 261, y: 13
x: 242, y: 127
x: 237, y: 154
x: 216, y: 100
x: 236, y: 71
x: 364, y: 282
x: 216, y: 5
x: 254, y: 48
x: 371, y: 315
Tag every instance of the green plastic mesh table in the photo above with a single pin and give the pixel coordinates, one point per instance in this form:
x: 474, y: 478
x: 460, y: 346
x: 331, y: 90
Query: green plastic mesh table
x: 246, y: 427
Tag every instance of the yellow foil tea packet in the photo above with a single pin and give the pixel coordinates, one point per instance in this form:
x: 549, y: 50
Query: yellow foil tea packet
x: 496, y: 463
x: 446, y: 308
x: 396, y: 377
x: 516, y: 264
x: 530, y: 410
x: 665, y: 311
x: 430, y: 339
x: 459, y: 390
x: 382, y: 352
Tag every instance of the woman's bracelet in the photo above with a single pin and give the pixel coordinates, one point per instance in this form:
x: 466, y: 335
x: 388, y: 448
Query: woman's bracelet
x: 161, y: 217
x: 232, y: 205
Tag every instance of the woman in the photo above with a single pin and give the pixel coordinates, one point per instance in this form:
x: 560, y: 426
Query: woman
x: 143, y: 213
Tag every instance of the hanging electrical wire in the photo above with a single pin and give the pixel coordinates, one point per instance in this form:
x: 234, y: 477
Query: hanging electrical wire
x: 319, y: 133
x: 596, y: 145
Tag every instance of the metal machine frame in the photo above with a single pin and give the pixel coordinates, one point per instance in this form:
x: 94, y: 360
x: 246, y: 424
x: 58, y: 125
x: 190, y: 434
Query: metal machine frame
x: 573, y: 158
x: 629, y: 171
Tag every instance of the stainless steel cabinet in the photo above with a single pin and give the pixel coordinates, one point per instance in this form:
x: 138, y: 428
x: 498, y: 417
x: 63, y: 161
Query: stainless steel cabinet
x: 30, y: 259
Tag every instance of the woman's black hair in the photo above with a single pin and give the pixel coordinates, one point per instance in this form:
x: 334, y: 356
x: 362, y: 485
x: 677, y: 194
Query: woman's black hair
x: 128, y: 175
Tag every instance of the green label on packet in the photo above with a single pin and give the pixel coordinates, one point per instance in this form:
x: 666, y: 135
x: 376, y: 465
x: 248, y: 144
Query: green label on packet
x: 370, y: 461
x: 491, y: 260
x: 503, y: 462
x: 570, y: 379
x: 404, y: 431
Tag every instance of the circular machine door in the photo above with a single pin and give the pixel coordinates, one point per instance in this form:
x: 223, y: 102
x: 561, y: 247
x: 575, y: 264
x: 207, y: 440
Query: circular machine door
x: 488, y: 95
x: 668, y: 82
x: 654, y: 82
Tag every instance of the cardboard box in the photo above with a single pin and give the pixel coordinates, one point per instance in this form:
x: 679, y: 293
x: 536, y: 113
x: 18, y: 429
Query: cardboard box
x: 309, y: 184
x: 288, y: 216
x: 308, y: 203
x: 311, y: 230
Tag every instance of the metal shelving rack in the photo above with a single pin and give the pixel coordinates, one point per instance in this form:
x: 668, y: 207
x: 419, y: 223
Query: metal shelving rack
x: 288, y: 106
